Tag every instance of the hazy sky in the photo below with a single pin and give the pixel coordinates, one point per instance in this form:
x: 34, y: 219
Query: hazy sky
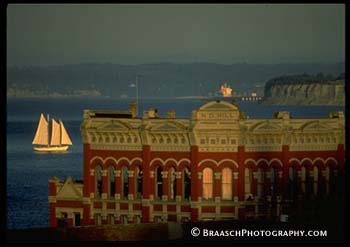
x: 134, y: 34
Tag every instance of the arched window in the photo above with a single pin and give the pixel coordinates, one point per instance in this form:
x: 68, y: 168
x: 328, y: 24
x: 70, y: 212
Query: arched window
x: 292, y: 182
x: 159, y: 183
x: 316, y: 184
x: 138, y: 181
x: 331, y: 180
x: 111, y: 181
x: 308, y: 183
x: 227, y: 184
x: 98, y: 181
x: 261, y: 180
x: 171, y: 184
x: 273, y: 181
x: 248, y: 179
x: 186, y: 184
x: 125, y: 182
x: 207, y: 183
x: 303, y: 178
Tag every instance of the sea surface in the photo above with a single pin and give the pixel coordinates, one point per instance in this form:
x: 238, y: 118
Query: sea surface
x: 28, y: 172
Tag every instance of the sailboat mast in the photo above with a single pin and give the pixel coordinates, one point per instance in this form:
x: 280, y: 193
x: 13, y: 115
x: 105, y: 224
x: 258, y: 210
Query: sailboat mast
x: 48, y: 136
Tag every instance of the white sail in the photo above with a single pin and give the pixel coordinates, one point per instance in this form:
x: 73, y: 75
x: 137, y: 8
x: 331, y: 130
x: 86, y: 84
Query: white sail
x: 42, y: 133
x: 55, y: 133
x: 65, y: 140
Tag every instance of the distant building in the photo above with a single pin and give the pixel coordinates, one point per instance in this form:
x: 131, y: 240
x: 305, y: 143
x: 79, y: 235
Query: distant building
x: 215, y: 165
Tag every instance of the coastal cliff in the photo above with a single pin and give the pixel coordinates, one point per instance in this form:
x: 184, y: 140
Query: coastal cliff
x: 289, y: 91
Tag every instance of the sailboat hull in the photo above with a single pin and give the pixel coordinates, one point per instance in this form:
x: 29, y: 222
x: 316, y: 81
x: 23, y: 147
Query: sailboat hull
x: 51, y: 149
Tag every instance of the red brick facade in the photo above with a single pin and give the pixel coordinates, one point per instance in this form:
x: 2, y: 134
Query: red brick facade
x: 254, y: 178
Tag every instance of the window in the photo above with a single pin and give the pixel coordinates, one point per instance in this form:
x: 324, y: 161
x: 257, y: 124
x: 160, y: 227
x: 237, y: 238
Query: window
x: 207, y: 183
x: 111, y: 219
x: 202, y: 141
x: 171, y: 183
x: 233, y: 141
x: 62, y: 221
x: 292, y: 183
x: 138, y: 181
x: 77, y: 221
x: 124, y: 219
x: 316, y: 181
x: 159, y: 183
x: 273, y: 178
x: 212, y: 141
x: 125, y: 182
x: 227, y: 184
x: 303, y: 177
x: 98, y: 178
x: 247, y: 182
x: 223, y: 141
x: 187, y: 184
x: 98, y: 219
x: 261, y: 179
x: 111, y: 182
x: 308, y: 183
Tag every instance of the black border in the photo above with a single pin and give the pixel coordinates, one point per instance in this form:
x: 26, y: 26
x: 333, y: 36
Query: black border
x: 3, y: 121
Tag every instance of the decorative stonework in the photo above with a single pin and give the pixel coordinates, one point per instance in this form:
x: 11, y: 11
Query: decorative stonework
x: 216, y: 127
x: 116, y: 147
x: 217, y: 175
x: 117, y: 173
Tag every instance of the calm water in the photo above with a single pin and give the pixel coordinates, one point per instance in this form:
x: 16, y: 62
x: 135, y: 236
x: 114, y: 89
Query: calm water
x: 28, y: 172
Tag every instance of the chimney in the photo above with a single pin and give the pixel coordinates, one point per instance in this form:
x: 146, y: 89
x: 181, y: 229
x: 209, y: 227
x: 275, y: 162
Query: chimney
x: 133, y: 109
x: 171, y: 114
x: 151, y: 113
x: 282, y: 115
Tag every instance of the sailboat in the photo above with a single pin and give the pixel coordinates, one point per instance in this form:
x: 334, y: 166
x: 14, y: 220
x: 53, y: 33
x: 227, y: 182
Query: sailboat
x: 59, y: 141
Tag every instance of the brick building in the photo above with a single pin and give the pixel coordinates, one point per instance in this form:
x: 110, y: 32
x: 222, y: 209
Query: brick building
x: 216, y: 165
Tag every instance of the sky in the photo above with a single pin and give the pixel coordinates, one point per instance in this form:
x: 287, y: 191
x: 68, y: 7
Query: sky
x: 55, y: 34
